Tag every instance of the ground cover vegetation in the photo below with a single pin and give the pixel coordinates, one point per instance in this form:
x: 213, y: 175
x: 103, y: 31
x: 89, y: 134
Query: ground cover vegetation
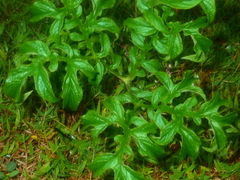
x: 119, y: 89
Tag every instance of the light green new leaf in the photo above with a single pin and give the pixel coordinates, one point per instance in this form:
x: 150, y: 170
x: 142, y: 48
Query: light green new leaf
x: 98, y: 122
x: 71, y: 4
x: 105, y: 45
x: 143, y: 5
x: 53, y: 63
x: 74, y: 36
x: 178, y: 4
x: 116, y: 107
x: 34, y: 48
x: 66, y: 48
x: 71, y: 90
x: 140, y: 26
x: 42, y: 9
x: 105, y: 24
x: 42, y: 83
x: 209, y: 7
x: 15, y: 81
x: 85, y: 67
x: 145, y: 146
x: 99, y: 5
x: 190, y: 143
x: 104, y: 162
x: 156, y: 21
x: 124, y: 172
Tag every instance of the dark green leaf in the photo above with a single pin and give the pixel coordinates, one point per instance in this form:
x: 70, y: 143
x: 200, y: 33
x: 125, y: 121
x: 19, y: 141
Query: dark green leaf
x: 140, y: 26
x: 165, y: 80
x: 35, y: 48
x: 98, y: 122
x: 115, y: 106
x: 152, y: 66
x: 175, y: 46
x: 105, y: 45
x: 104, y: 162
x: 11, y: 166
x: 126, y: 173
x: 105, y: 24
x: 178, y: 4
x: 71, y: 90
x: 190, y: 143
x: 42, y: 83
x: 209, y: 8
x: 85, y: 67
x: 42, y: 9
x: 56, y: 28
x: 161, y: 45
x: 156, y: 21
x: 15, y: 81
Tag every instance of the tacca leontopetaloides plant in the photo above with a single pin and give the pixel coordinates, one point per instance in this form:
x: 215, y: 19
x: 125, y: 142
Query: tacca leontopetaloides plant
x: 145, y: 116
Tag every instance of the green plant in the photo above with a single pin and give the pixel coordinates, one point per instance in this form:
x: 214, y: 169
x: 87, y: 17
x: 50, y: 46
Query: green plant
x: 147, y: 110
x: 11, y: 169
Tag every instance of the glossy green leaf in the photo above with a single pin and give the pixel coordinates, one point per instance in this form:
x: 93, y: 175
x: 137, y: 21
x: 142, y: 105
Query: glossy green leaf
x: 105, y: 24
x: 152, y: 66
x: 140, y: 26
x: 161, y: 94
x: 115, y: 106
x: 105, y: 45
x: 209, y: 8
x: 124, y: 172
x: 190, y: 143
x: 161, y: 45
x: 99, y: 5
x: 85, y: 67
x: 175, y: 46
x: 56, y: 27
x: 143, y: 5
x: 15, y: 81
x: 178, y: 4
x: 71, y: 90
x: 187, y: 84
x: 165, y: 80
x: 98, y: 122
x: 138, y: 40
x: 42, y: 83
x: 42, y: 9
x: 145, y: 146
x: 168, y: 133
x: 104, y: 162
x: 156, y: 21
x: 53, y: 63
x: 71, y: 4
x: 34, y: 48
x: 76, y: 36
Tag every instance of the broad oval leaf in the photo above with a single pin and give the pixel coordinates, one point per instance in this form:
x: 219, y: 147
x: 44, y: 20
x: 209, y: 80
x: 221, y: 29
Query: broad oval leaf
x: 104, y: 162
x: 178, y: 4
x: 152, y: 66
x: 35, y: 48
x: 140, y: 26
x: 156, y: 21
x: 42, y: 9
x: 71, y: 90
x: 15, y: 81
x: 105, y: 24
x: 42, y: 83
x: 116, y: 107
x: 175, y: 46
x: 85, y: 67
x: 161, y: 45
x: 124, y: 172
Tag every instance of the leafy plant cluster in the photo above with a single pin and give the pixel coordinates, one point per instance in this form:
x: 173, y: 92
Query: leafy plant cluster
x: 94, y: 50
